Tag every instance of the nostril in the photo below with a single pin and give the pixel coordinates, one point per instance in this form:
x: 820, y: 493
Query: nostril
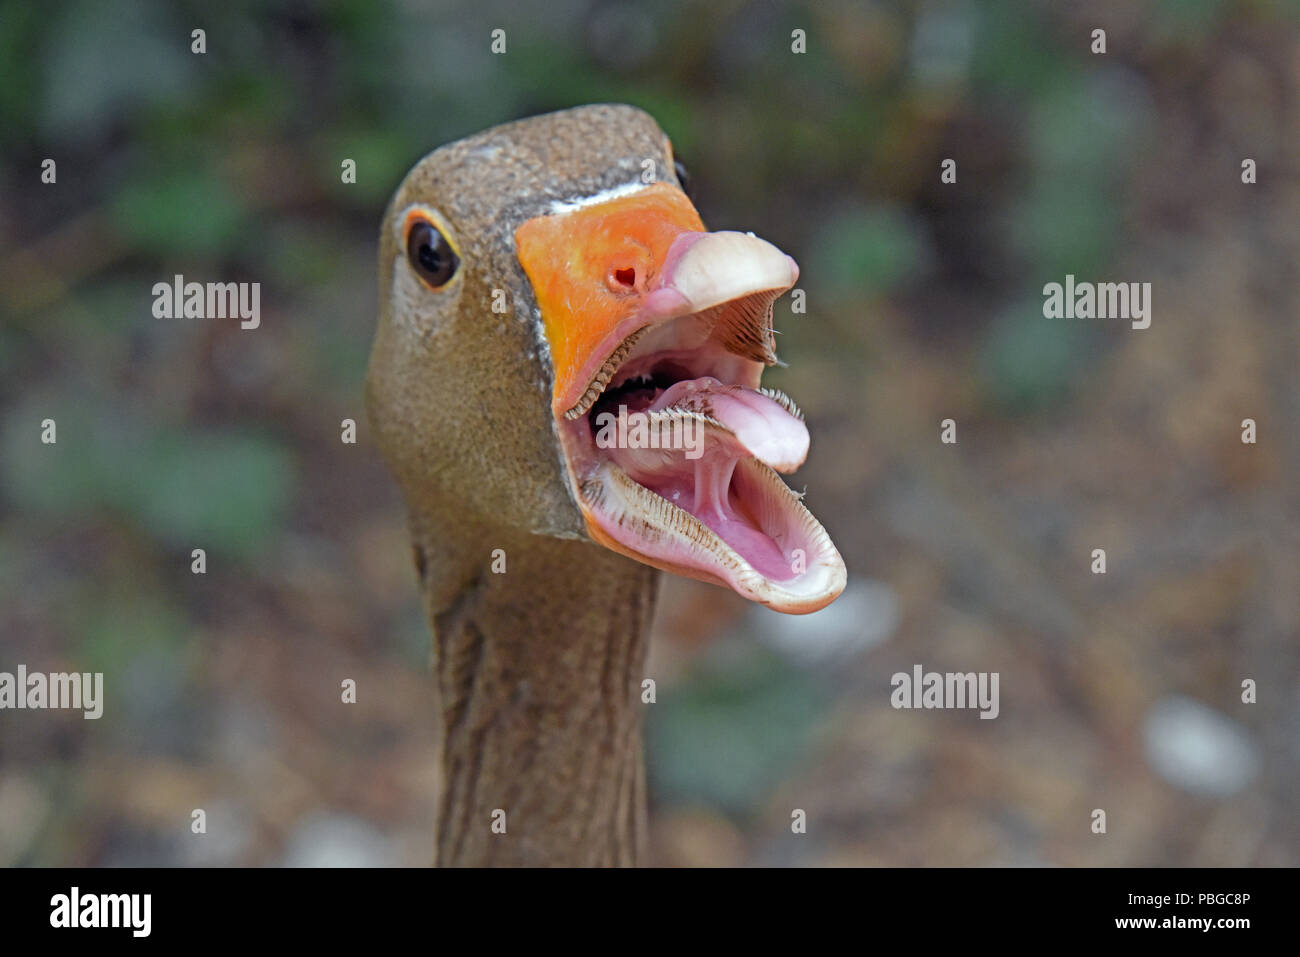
x: 625, y: 277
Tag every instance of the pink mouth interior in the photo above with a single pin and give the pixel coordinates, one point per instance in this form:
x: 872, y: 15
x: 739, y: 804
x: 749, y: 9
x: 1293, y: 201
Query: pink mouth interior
x: 714, y: 495
x: 716, y: 487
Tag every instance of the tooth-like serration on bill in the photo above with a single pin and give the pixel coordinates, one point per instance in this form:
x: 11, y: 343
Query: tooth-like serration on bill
x: 602, y: 378
x: 783, y: 400
x: 655, y: 521
x: 656, y: 530
x: 744, y: 325
x: 665, y: 416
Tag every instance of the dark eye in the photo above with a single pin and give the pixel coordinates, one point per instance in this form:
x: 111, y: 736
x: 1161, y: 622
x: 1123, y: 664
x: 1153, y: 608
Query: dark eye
x: 430, y: 254
x: 683, y: 177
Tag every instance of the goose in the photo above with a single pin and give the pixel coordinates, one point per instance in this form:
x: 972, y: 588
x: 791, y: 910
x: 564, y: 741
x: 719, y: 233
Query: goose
x: 538, y: 281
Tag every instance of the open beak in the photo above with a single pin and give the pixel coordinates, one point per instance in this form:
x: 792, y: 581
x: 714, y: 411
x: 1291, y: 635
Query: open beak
x: 659, y: 333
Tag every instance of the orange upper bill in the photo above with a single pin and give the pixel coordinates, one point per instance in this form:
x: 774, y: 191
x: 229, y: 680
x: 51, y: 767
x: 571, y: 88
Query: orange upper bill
x: 591, y: 269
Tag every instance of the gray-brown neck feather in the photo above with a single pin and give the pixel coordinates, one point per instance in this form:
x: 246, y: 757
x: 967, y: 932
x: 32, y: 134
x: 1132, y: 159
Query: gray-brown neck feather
x: 539, y: 675
x: 538, y: 669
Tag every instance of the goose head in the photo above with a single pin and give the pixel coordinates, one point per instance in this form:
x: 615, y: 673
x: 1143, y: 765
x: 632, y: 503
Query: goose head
x: 564, y: 349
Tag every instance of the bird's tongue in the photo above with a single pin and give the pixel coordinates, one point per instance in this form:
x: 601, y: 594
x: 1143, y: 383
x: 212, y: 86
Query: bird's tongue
x: 702, y: 428
x: 761, y: 426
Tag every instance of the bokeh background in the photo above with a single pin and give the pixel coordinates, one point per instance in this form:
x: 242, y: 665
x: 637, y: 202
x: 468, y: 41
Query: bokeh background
x: 1119, y: 691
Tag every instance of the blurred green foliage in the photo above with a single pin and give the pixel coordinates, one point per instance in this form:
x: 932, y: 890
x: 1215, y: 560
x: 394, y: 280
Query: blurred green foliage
x: 733, y: 728
x: 155, y: 216
x: 224, y: 488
